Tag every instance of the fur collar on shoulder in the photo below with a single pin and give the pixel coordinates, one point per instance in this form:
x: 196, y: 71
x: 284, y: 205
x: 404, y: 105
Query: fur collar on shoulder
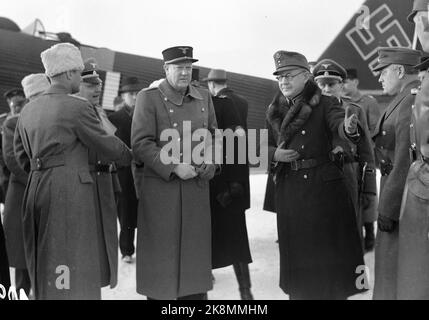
x: 286, y: 117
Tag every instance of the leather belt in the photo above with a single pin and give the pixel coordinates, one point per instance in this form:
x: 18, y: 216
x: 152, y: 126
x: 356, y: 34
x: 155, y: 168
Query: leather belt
x: 307, y: 163
x: 43, y: 163
x: 101, y: 167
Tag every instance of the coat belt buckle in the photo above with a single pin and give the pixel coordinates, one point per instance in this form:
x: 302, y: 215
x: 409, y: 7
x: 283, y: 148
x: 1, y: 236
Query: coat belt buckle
x: 294, y: 165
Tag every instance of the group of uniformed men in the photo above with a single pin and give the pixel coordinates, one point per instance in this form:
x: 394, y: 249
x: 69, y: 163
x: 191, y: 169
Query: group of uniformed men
x: 72, y: 169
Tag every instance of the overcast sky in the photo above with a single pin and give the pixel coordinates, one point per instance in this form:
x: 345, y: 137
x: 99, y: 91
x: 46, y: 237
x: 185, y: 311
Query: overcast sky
x: 236, y: 35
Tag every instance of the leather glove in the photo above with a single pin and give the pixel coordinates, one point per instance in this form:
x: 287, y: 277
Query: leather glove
x: 224, y: 199
x: 236, y: 189
x: 206, y: 171
x: 386, y: 224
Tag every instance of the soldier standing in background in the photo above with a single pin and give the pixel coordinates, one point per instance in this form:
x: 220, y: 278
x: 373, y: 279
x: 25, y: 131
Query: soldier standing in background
x: 106, y: 186
x: 372, y: 111
x: 357, y: 159
x: 392, y: 141
x: 127, y: 202
x: 34, y: 85
x: 230, y: 190
x: 413, y: 252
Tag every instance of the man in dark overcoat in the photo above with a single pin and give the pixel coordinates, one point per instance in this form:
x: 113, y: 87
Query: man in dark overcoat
x: 230, y: 190
x: 52, y: 141
x: 320, y: 250
x: 358, y: 160
x: 127, y: 201
x: 392, y: 142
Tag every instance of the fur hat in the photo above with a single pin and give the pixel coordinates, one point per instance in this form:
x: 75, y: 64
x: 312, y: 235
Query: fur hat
x: 60, y: 58
x: 34, y: 84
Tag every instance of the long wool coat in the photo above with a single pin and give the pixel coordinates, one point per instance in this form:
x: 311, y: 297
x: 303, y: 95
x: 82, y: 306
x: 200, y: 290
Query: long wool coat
x: 174, y: 231
x: 59, y: 218
x: 392, y: 142
x: 14, y: 198
x: 230, y: 243
x: 318, y: 237
x: 413, y: 251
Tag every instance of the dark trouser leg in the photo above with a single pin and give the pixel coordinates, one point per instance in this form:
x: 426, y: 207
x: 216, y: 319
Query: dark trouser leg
x: 197, y: 296
x: 243, y: 277
x: 369, y: 236
x: 126, y: 241
x: 22, y: 280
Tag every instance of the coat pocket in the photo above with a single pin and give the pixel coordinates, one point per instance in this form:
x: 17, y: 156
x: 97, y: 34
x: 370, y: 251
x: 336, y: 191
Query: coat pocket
x: 85, y: 177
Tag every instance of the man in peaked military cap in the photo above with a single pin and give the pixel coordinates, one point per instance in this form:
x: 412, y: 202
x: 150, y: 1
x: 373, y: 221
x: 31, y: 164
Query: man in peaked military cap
x: 230, y: 243
x: 106, y: 184
x: 392, y: 140
x: 314, y: 208
x: 54, y: 135
x: 358, y: 160
x: 127, y: 202
x: 413, y: 257
x: 372, y: 111
x: 174, y: 238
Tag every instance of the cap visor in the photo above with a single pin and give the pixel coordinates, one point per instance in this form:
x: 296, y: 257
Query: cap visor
x: 329, y: 77
x: 288, y: 68
x: 380, y: 67
x: 182, y: 59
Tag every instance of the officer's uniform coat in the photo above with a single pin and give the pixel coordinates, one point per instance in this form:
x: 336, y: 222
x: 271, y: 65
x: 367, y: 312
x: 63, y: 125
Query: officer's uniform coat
x: 127, y: 202
x: 413, y: 255
x: 14, y: 198
x: 230, y: 242
x: 371, y: 108
x: 106, y: 190
x: 318, y: 238
x: 59, y: 218
x: 392, y: 141
x: 174, y: 229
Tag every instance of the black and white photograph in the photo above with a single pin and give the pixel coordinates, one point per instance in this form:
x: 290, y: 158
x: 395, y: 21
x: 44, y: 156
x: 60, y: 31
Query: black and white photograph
x: 222, y: 151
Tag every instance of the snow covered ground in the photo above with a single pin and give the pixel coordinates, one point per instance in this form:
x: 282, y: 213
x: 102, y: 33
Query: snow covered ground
x: 264, y: 270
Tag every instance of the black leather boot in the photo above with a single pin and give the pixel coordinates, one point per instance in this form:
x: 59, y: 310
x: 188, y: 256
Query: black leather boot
x: 369, y: 236
x: 243, y: 277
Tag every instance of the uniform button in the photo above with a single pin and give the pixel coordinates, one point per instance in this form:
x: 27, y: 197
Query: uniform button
x: 381, y: 147
x: 383, y: 161
x: 205, y: 124
x: 98, y: 173
x: 303, y: 132
x: 302, y: 147
x: 181, y: 154
x: 411, y: 126
x: 413, y: 106
x: 171, y: 110
x: 165, y: 99
x: 384, y: 133
x: 99, y: 162
x: 178, y: 139
x: 202, y: 110
x: 305, y: 176
x: 175, y: 124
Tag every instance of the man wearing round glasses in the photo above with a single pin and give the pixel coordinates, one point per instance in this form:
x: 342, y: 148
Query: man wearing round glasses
x: 318, y: 237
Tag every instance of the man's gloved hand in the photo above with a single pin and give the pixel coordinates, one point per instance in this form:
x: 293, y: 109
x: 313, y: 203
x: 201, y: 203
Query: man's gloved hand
x: 236, y: 189
x: 206, y: 171
x: 224, y: 199
x: 386, y: 224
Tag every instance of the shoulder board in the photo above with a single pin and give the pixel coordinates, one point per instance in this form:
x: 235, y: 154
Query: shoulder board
x: 222, y: 96
x: 414, y: 91
x: 12, y: 116
x: 78, y: 97
x: 3, y: 115
x: 150, y: 89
